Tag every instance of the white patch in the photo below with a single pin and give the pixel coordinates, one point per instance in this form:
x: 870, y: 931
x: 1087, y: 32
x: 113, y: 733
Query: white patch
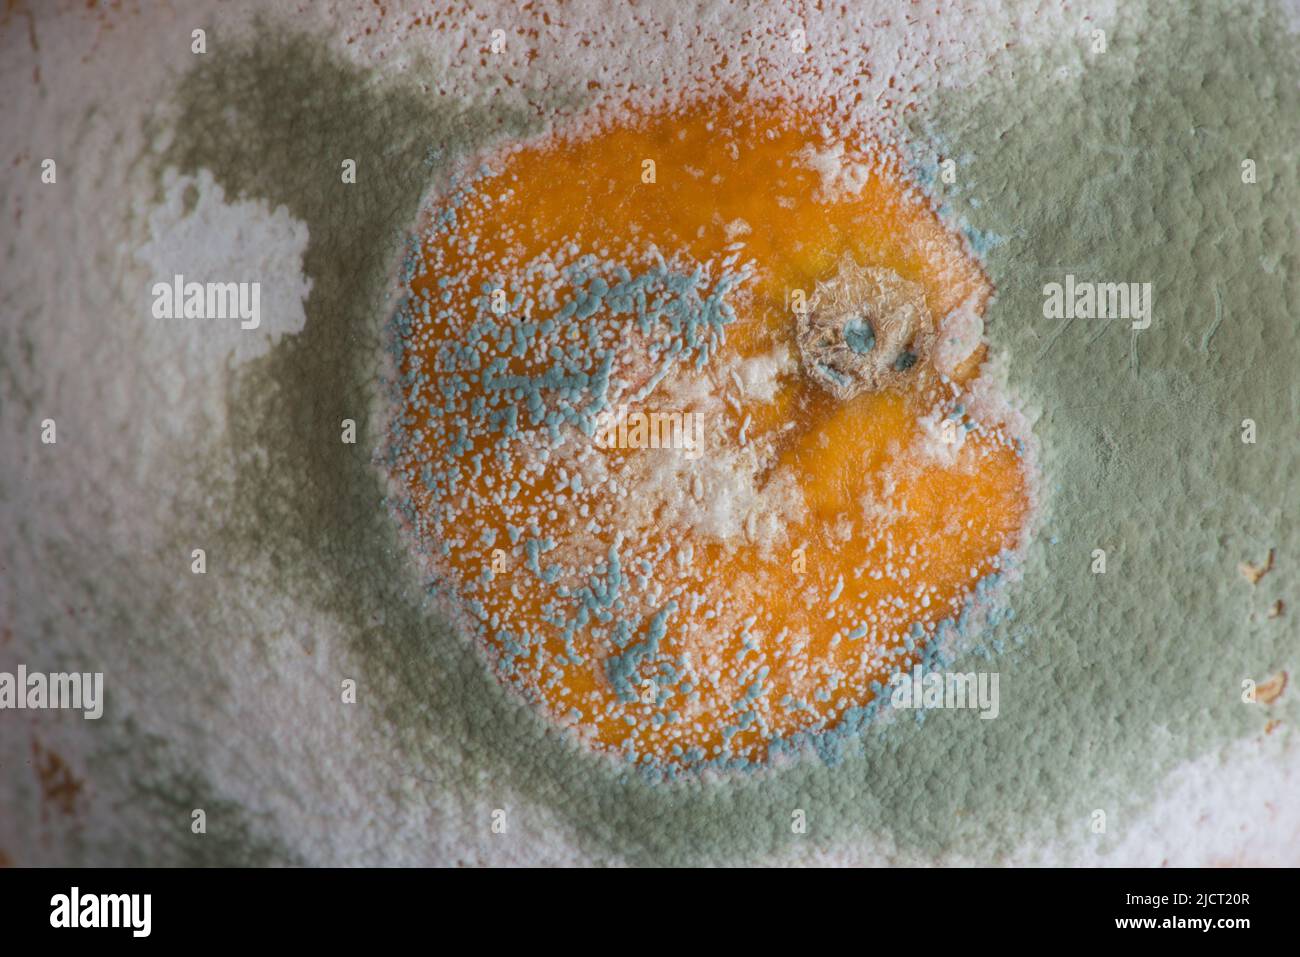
x: 735, y: 229
x: 840, y: 175
x: 960, y: 333
x: 941, y: 439
x: 217, y: 241
x: 761, y: 375
x: 717, y: 496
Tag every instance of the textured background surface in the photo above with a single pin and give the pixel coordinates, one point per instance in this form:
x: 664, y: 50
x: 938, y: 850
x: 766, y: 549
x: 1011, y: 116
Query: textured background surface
x: 1120, y: 692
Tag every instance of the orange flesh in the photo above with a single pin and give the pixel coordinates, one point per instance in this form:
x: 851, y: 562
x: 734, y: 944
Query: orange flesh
x: 908, y: 532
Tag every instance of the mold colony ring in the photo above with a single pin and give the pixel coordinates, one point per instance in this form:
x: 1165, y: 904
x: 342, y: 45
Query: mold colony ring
x: 692, y: 432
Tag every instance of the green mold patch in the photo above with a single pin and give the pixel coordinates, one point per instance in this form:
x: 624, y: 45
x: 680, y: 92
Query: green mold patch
x: 1133, y: 171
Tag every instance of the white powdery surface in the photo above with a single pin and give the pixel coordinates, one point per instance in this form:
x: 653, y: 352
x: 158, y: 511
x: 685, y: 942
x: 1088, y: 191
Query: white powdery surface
x: 220, y: 241
x: 1233, y: 808
x: 869, y: 60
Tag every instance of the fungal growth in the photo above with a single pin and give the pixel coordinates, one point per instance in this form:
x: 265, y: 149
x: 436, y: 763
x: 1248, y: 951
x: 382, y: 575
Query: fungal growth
x: 689, y: 523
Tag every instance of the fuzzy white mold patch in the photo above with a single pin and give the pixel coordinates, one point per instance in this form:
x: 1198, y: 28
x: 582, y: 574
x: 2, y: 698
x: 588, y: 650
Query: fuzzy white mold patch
x: 842, y: 176
x: 759, y: 377
x: 716, y: 491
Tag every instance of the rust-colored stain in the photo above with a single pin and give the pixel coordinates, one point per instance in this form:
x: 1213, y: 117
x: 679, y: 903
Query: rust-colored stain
x: 1269, y: 691
x: 1252, y: 572
x: 59, y: 786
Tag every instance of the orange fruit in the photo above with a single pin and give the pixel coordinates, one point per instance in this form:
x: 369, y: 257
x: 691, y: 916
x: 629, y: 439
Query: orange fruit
x: 688, y: 432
